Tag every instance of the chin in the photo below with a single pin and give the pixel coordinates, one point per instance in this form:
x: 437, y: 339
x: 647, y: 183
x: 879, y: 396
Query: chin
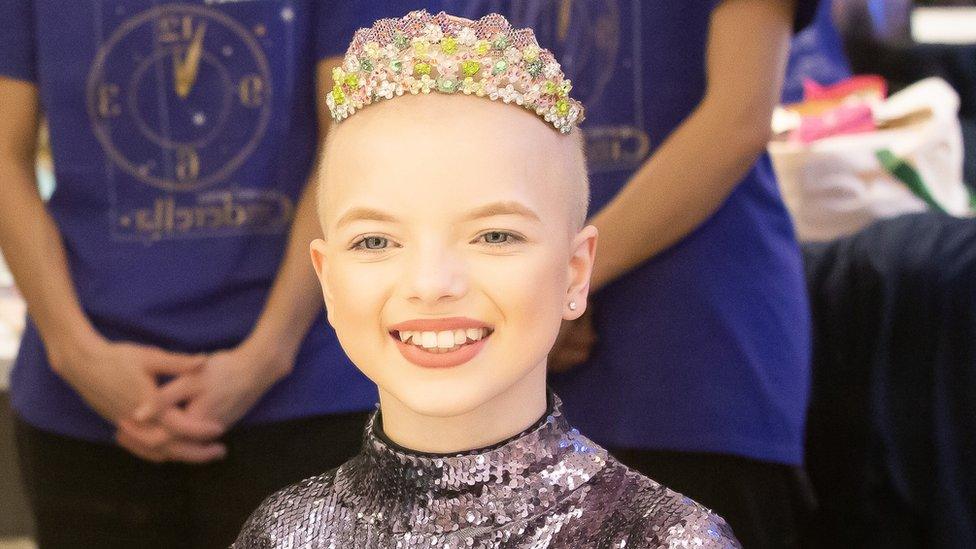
x: 442, y: 398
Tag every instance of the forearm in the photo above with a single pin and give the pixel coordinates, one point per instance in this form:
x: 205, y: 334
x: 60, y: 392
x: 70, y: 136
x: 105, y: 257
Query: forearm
x: 35, y: 253
x: 295, y: 298
x: 293, y: 301
x: 674, y: 192
x: 698, y: 166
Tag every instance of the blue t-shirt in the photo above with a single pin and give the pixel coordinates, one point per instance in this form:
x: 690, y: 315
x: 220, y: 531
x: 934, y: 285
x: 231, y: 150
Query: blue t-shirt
x: 182, y: 136
x: 706, y: 346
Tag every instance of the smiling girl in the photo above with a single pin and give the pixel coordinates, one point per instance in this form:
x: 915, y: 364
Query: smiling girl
x: 454, y: 248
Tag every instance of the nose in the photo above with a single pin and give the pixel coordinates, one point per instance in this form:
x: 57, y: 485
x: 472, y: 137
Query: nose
x: 436, y: 274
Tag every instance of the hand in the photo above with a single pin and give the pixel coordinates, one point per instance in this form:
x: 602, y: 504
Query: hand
x: 217, y: 395
x: 228, y: 385
x: 117, y: 378
x: 153, y: 441
x: 573, y: 344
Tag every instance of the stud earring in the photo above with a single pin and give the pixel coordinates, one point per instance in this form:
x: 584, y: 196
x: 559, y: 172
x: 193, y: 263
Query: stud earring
x: 572, y: 305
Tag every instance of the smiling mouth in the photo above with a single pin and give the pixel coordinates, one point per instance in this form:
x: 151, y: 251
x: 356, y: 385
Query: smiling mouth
x: 441, y: 342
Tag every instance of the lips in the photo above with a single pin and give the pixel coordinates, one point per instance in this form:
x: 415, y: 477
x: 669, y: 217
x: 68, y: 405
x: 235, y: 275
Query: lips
x: 439, y: 324
x: 441, y: 342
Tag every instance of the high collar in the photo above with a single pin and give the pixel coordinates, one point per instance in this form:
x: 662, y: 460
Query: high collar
x: 515, y: 479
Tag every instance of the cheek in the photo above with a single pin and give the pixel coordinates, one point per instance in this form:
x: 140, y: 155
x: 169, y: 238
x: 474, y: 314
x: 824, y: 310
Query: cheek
x: 358, y: 294
x: 529, y: 292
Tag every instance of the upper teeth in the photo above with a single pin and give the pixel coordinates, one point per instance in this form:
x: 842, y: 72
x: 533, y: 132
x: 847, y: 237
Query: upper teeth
x: 444, y: 339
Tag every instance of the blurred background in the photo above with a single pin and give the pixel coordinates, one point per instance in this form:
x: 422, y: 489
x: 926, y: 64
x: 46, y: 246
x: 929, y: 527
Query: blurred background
x: 909, y: 116
x: 906, y: 41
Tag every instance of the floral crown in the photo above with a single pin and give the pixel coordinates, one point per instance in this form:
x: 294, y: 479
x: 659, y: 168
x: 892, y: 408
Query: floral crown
x: 419, y: 53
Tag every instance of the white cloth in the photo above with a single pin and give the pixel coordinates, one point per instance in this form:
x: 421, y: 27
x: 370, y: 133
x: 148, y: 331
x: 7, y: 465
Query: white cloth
x: 836, y: 186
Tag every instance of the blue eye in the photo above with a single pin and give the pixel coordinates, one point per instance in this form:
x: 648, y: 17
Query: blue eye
x: 372, y: 243
x: 499, y: 238
x: 496, y: 237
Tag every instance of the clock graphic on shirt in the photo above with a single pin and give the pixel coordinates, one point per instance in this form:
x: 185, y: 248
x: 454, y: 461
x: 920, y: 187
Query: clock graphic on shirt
x: 180, y: 96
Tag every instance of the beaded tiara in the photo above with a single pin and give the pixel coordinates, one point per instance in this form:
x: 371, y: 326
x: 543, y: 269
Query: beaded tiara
x: 420, y: 53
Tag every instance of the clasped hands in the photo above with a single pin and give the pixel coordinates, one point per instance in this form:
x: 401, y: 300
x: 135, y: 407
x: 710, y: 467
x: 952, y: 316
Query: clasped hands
x: 183, y: 418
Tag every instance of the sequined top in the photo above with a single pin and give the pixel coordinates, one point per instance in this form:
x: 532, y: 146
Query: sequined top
x: 548, y: 487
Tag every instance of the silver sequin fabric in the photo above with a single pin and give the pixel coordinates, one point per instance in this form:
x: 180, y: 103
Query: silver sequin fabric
x: 548, y: 487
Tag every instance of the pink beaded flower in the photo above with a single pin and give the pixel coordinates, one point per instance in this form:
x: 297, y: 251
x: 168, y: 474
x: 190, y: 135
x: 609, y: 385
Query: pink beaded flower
x: 420, y: 53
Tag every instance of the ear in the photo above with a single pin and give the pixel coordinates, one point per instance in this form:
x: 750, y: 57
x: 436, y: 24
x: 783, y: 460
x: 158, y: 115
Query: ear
x: 579, y: 271
x: 317, y: 249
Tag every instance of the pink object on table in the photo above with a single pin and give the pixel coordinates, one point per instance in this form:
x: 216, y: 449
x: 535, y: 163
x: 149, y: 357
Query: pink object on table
x: 843, y: 120
x: 864, y: 84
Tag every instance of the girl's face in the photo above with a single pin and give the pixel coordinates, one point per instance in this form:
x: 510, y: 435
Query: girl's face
x: 450, y: 257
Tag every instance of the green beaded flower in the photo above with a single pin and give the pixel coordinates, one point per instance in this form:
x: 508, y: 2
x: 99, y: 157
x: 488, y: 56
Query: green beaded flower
x: 446, y: 85
x: 500, y: 42
x: 401, y: 41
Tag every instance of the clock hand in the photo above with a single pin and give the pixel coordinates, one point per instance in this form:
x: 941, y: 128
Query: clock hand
x: 565, y: 14
x: 187, y: 70
x: 178, y: 71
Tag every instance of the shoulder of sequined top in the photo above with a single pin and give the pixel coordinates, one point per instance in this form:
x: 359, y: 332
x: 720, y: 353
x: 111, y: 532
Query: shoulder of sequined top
x: 293, y: 512
x: 697, y: 526
x: 657, y: 516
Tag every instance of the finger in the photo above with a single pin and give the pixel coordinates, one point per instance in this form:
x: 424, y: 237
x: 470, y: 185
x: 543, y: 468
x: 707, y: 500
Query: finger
x: 568, y: 340
x: 164, y: 363
x: 567, y: 359
x: 169, y: 395
x: 195, y: 452
x: 558, y: 367
x: 574, y: 333
x: 577, y: 357
x: 583, y: 340
x: 564, y: 332
x: 126, y: 441
x: 579, y: 348
x: 174, y: 450
x: 588, y: 328
x: 150, y: 436
x: 558, y: 364
x: 185, y: 425
x: 572, y: 349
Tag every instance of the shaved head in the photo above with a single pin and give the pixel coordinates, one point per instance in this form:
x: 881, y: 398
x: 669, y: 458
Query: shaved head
x: 445, y: 136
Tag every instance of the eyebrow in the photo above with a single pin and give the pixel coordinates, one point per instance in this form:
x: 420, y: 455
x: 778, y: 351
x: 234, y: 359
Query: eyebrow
x: 365, y: 214
x: 510, y: 207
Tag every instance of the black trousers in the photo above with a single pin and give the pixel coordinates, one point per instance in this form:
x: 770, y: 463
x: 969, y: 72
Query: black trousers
x: 86, y: 494
x: 766, y: 504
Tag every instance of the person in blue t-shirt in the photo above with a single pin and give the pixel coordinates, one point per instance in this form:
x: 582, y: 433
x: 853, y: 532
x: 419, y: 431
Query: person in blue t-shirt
x: 699, y: 373
x: 173, y: 371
